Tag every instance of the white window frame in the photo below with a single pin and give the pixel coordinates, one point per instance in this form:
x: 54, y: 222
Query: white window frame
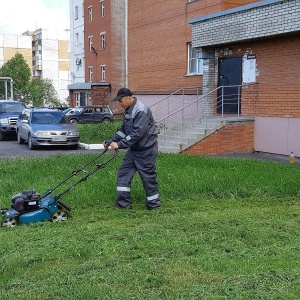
x: 76, y: 13
x: 103, y: 40
x: 90, y: 43
x: 90, y: 10
x: 91, y: 75
x: 195, y: 64
x: 76, y: 38
x: 102, y: 6
x: 103, y: 73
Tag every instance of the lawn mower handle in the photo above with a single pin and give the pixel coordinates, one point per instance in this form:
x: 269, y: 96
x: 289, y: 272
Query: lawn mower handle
x: 73, y: 173
x: 88, y: 174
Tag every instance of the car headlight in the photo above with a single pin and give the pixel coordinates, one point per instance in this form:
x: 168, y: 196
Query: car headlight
x: 74, y: 133
x: 4, y: 121
x: 42, y: 133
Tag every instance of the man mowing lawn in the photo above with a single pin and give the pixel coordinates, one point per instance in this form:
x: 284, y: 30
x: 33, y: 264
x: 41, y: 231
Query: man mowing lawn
x: 138, y: 134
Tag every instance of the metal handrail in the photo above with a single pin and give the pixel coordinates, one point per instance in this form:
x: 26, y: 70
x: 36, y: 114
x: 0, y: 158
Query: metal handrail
x: 162, y: 121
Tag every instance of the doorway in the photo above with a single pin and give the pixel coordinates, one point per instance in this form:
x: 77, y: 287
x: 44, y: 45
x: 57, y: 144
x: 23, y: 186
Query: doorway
x: 230, y: 78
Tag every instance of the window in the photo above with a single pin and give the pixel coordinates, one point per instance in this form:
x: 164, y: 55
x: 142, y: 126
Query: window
x: 103, y: 73
x: 76, y: 12
x: 102, y: 37
x: 77, y: 38
x: 195, y: 64
x: 90, y: 9
x: 91, y: 43
x: 102, y: 4
x: 91, y: 73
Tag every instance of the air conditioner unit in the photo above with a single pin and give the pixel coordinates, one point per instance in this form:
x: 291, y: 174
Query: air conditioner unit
x: 78, y: 61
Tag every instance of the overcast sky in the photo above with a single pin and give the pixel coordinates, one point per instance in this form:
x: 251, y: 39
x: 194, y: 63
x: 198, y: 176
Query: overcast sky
x: 18, y: 16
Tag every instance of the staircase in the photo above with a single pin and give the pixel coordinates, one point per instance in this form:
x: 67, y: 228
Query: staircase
x: 179, y: 137
x: 180, y: 128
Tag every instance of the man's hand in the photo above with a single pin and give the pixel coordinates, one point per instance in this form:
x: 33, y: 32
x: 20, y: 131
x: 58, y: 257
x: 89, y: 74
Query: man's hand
x: 114, y: 145
x: 106, y: 144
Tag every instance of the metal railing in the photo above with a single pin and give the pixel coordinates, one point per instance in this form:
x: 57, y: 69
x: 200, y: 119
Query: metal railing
x: 175, y: 101
x: 198, y: 110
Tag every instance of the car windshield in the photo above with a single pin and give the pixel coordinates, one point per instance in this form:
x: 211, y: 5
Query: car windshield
x: 11, y: 107
x: 48, y: 118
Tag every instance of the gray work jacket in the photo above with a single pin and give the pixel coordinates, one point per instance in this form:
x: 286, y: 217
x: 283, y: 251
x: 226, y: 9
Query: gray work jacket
x: 138, y: 130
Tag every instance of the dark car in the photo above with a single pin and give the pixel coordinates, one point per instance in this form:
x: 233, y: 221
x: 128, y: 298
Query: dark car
x: 46, y: 127
x: 91, y: 114
x: 9, y: 112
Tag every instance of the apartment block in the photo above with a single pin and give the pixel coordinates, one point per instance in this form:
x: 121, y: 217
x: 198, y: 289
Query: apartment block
x: 10, y: 45
x: 51, y: 58
x: 261, y: 42
x: 157, y: 48
x: 104, y: 50
x: 47, y: 54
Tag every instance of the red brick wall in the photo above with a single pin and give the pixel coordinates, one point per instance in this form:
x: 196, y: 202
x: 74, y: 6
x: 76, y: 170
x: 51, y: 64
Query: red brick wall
x: 277, y: 92
x: 233, y: 138
x: 158, y: 33
x: 113, y: 54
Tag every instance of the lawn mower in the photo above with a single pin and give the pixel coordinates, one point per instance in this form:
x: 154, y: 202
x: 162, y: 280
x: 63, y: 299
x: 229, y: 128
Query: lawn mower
x: 30, y: 207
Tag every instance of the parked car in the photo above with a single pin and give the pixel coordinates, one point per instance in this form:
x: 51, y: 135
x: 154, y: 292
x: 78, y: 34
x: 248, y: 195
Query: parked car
x: 46, y: 127
x: 91, y: 114
x: 73, y: 110
x: 9, y: 113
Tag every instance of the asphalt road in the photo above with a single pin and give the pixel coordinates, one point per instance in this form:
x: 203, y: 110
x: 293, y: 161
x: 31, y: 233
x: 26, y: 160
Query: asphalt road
x: 10, y: 148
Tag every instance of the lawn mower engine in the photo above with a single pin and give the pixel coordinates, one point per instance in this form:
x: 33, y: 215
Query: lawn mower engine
x: 29, y: 207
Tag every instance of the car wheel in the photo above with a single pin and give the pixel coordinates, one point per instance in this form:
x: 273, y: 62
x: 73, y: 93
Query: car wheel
x: 20, y: 140
x: 106, y: 120
x: 9, y: 222
x: 74, y: 121
x: 2, y: 136
x: 59, y: 216
x: 30, y: 145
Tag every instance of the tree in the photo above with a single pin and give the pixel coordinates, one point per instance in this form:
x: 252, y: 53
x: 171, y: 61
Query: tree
x: 43, y: 93
x: 33, y: 91
x: 19, y: 71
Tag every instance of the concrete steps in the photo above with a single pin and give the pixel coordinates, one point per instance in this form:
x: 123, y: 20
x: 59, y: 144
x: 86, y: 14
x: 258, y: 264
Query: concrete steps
x: 178, y: 137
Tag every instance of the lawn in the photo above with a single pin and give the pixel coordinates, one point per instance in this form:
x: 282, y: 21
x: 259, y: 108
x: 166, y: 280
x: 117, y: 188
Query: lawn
x: 228, y: 229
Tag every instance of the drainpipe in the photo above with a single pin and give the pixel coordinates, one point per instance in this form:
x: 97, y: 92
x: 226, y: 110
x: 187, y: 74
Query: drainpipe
x: 126, y: 43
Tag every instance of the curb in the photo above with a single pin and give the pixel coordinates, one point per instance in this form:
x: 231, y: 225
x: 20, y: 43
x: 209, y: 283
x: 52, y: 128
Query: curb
x: 91, y: 146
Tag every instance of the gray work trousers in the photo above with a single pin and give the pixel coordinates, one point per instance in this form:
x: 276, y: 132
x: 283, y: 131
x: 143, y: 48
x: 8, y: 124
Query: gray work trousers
x: 142, y: 162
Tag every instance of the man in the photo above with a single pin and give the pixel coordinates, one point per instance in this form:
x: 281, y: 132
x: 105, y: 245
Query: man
x: 138, y: 134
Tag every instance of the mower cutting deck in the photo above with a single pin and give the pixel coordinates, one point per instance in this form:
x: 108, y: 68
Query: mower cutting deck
x: 29, y: 207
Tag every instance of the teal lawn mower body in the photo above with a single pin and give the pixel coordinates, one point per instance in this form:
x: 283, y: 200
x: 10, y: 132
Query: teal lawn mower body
x: 29, y: 207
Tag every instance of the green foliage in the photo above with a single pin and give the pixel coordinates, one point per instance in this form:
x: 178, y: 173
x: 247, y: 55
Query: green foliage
x: 43, y: 93
x: 19, y: 71
x: 228, y: 229
x: 97, y: 133
x: 36, y: 91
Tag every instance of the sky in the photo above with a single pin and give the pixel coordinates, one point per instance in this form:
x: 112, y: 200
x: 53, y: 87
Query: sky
x: 18, y: 16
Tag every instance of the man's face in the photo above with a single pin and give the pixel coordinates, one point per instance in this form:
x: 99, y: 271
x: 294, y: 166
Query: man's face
x: 126, y: 102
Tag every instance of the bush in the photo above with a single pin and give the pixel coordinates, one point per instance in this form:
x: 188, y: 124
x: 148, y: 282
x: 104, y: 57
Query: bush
x: 97, y: 133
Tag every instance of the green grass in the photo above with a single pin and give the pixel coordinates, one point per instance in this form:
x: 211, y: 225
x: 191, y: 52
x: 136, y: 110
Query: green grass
x: 228, y: 229
x: 97, y: 133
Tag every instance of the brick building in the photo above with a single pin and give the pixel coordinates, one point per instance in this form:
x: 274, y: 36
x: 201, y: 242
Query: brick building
x: 105, y: 47
x: 155, y: 50
x: 147, y: 47
x: 266, y: 35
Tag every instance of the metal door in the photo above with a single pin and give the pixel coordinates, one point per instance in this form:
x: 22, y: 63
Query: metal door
x: 230, y: 77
